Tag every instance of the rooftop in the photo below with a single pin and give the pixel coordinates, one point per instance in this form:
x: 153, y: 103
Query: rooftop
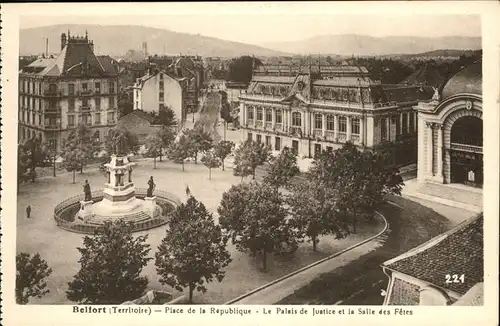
x: 458, y: 251
x: 467, y: 81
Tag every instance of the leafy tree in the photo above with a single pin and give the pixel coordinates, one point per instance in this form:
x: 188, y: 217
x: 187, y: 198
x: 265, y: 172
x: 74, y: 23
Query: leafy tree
x: 240, y: 69
x: 249, y: 156
x: 180, y: 151
x: 200, y: 141
x: 24, y: 164
x: 193, y: 252
x: 255, y: 218
x: 31, y: 272
x: 167, y: 136
x: 111, y: 263
x: 282, y: 168
x: 223, y: 149
x: 154, y: 145
x: 74, y: 160
x: 211, y: 161
x: 165, y: 117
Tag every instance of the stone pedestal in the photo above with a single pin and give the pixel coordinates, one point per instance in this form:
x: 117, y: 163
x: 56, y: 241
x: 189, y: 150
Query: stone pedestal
x: 150, y: 205
x: 85, y: 210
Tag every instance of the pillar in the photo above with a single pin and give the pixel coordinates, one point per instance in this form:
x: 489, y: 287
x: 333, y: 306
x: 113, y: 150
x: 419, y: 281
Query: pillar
x: 323, y: 124
x: 254, y: 116
x: 400, y: 123
x: 349, y: 128
x: 335, y: 126
x: 388, y: 126
x: 440, y: 151
x: 415, y: 118
x: 264, y: 110
x: 273, y: 117
x: 408, y: 122
x: 430, y: 144
x: 361, y: 130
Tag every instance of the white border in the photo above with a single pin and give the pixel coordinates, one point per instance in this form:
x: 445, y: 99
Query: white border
x: 62, y: 315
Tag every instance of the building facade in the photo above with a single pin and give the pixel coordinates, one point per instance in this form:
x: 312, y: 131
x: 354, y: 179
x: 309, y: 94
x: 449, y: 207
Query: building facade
x: 158, y: 90
x: 450, y: 142
x: 58, y: 93
x: 312, y: 109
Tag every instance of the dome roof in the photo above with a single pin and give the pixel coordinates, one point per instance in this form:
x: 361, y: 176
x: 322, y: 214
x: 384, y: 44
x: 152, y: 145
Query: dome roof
x: 468, y: 80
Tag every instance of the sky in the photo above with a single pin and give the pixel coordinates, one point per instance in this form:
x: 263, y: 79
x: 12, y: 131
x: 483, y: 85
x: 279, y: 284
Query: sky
x: 260, y: 25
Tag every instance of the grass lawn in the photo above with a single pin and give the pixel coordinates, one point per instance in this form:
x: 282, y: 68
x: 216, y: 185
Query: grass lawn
x: 58, y: 247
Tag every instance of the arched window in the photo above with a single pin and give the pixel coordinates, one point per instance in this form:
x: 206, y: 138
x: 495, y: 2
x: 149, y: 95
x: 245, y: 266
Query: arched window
x: 467, y: 130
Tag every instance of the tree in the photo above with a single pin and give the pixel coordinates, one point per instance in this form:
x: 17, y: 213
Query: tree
x: 167, y: 136
x: 110, y: 266
x: 193, y: 251
x: 255, y: 218
x: 282, y: 168
x: 199, y: 141
x: 179, y: 151
x: 223, y: 149
x: 241, y: 69
x: 154, y: 145
x: 211, y: 161
x: 31, y: 272
x: 24, y: 164
x: 74, y: 160
x: 249, y: 156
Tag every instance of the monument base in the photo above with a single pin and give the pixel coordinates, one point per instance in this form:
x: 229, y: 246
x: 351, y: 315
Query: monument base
x: 85, y: 210
x: 150, y: 205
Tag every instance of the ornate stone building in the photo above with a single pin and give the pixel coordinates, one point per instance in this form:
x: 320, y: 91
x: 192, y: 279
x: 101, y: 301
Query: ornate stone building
x: 76, y: 87
x: 450, y: 139
x: 312, y: 109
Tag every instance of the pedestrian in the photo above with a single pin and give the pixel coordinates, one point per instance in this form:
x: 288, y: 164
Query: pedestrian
x: 28, y: 211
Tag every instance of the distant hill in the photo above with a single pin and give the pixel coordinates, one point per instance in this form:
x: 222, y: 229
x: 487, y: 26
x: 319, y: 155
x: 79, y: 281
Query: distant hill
x: 117, y: 40
x: 368, y: 45
x: 446, y: 53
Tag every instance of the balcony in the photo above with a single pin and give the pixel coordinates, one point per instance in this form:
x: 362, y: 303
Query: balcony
x: 97, y: 123
x: 278, y: 127
x: 111, y: 122
x: 330, y: 135
x: 52, y: 127
x: 86, y: 93
x: 85, y: 108
x: 258, y: 124
x: 52, y: 93
x: 52, y: 110
x: 296, y: 131
x: 342, y: 137
x: 467, y: 148
x: 250, y: 122
x: 269, y: 125
x: 355, y: 138
x: 318, y: 133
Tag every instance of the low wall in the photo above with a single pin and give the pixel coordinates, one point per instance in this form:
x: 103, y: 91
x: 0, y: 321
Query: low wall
x: 163, y: 199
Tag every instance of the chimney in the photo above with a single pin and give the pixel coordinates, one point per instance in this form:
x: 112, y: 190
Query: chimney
x: 63, y: 40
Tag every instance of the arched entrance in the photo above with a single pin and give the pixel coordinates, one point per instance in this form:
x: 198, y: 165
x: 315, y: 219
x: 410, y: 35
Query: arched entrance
x: 466, y: 151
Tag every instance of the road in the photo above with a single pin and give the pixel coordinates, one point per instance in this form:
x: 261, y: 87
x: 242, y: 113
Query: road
x: 209, y: 115
x: 361, y: 281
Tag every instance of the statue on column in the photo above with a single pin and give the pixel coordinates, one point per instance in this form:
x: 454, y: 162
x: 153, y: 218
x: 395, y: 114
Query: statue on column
x: 435, y: 97
x: 120, y: 143
x: 152, y: 186
x: 86, y: 191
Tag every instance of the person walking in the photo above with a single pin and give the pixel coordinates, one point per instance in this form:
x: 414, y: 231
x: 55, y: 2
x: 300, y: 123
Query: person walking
x: 28, y: 211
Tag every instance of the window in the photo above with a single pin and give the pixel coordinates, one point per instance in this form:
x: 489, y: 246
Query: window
x: 269, y: 115
x: 98, y: 103
x: 295, y: 146
x: 33, y: 103
x: 71, y: 89
x: 40, y: 89
x: 412, y: 121
x: 137, y: 105
x: 383, y: 128
x: 161, y: 76
x: 296, y: 119
x: 161, y: 85
x: 111, y: 117
x: 71, y: 104
x: 98, y: 88
x: 53, y: 104
x: 318, y: 121
x: 84, y: 87
x: 329, y: 149
x: 40, y: 104
x: 161, y: 107
x: 317, y: 150
x: 162, y: 98
x: 71, y: 120
x: 250, y: 114
x: 279, y: 116
x: 111, y: 87
x: 33, y: 118
x: 277, y: 143
x: 85, y: 103
x: 249, y: 136
x: 355, y: 126
x: 330, y: 122
x: 98, y: 118
x: 342, y: 124
x: 268, y: 140
x: 52, y: 88
x: 111, y: 103
x: 259, y: 139
x: 259, y: 114
x: 86, y: 119
x: 39, y: 119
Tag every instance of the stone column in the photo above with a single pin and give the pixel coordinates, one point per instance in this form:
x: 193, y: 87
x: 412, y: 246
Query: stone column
x: 439, y: 130
x: 361, y: 130
x: 408, y: 122
x: 415, y: 118
x: 430, y: 154
x: 264, y: 110
x: 400, y: 123
x: 323, y: 124
x: 349, y: 128
x: 304, y: 122
x: 388, y: 126
x: 335, y: 126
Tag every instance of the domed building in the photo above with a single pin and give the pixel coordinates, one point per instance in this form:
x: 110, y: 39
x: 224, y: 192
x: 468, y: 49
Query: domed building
x: 450, y: 131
